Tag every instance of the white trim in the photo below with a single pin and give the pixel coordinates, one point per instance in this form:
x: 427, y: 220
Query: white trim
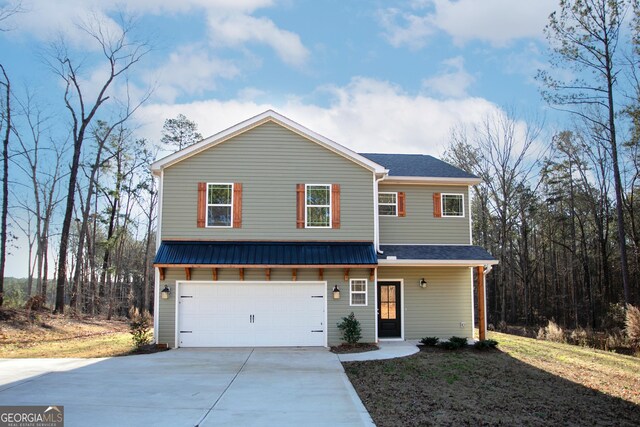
x: 425, y: 244
x: 375, y: 304
x: 473, y: 319
x: 442, y: 205
x: 318, y: 206
x: 470, y: 195
x: 430, y: 180
x: 435, y: 262
x: 388, y: 204
x: 267, y: 116
x: 206, y: 220
x: 366, y: 292
x: 253, y: 282
x: 402, y: 310
x: 156, y: 274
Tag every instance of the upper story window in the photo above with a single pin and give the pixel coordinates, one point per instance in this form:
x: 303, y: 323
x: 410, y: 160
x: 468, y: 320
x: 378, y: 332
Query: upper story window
x: 358, y: 292
x: 219, y: 205
x: 318, y: 205
x: 452, y: 205
x: 388, y: 204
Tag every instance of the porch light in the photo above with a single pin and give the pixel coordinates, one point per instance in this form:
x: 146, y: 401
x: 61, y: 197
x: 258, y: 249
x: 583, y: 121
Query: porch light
x: 165, y: 292
x: 336, y: 292
x: 422, y: 283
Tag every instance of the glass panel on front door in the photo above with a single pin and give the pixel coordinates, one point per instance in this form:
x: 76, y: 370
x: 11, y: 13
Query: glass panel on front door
x: 388, y: 302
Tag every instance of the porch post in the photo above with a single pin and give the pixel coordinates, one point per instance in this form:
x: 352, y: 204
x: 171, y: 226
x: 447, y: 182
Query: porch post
x: 481, y: 304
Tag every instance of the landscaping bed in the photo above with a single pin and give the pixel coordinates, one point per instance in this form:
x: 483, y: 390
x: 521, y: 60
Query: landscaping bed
x: 354, y: 348
x: 524, y: 382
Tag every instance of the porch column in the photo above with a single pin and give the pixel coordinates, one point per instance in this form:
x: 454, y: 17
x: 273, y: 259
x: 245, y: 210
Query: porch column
x: 481, y: 304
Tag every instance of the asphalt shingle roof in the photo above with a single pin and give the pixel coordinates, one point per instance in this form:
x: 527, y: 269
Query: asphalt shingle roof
x: 266, y: 253
x: 417, y: 165
x: 436, y: 252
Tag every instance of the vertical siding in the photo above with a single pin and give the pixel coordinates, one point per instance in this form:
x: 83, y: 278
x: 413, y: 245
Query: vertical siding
x: 269, y: 161
x: 438, y: 309
x: 336, y: 309
x: 419, y: 226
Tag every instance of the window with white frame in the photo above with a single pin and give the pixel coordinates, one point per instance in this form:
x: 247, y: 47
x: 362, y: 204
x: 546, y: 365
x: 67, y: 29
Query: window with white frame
x: 358, y: 292
x: 318, y: 205
x: 388, y: 204
x: 452, y: 205
x: 219, y: 205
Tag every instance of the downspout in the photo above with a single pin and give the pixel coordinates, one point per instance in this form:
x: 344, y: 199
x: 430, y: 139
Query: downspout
x: 376, y: 219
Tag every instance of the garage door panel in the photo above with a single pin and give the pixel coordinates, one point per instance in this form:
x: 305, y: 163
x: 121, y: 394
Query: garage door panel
x: 224, y: 314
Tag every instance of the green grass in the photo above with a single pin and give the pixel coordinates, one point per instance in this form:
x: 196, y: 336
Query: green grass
x: 524, y: 382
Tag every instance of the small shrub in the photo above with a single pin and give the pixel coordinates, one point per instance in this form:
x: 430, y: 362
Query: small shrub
x: 485, y: 344
x: 614, y: 317
x: 351, y: 330
x: 35, y: 303
x: 430, y: 341
x: 632, y: 324
x: 140, y: 327
x: 552, y: 332
x: 454, y: 343
x: 582, y: 337
x: 502, y: 326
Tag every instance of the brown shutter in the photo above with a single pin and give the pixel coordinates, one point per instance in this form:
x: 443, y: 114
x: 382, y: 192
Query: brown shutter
x: 300, y: 205
x: 202, y: 204
x: 237, y: 205
x: 335, y: 206
x: 437, y: 205
x: 402, y: 210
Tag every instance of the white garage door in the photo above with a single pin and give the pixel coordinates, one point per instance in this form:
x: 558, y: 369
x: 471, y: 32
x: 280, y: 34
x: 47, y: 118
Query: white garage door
x: 247, y: 314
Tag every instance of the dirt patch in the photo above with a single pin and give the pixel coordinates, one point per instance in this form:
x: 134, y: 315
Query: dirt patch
x: 30, y: 333
x: 354, y: 348
x: 524, y: 383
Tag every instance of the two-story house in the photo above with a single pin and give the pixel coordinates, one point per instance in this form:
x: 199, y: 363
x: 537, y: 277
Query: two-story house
x: 269, y: 234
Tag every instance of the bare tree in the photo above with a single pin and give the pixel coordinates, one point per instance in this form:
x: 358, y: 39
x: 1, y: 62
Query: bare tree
x: 6, y: 122
x: 120, y: 53
x: 584, y: 38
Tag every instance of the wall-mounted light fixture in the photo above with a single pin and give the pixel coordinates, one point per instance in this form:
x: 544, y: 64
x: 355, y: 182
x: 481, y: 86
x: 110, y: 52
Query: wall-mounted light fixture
x: 336, y: 292
x: 165, y: 292
x: 422, y: 283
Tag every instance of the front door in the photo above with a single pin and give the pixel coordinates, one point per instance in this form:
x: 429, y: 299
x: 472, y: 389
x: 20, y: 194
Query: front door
x: 389, y: 325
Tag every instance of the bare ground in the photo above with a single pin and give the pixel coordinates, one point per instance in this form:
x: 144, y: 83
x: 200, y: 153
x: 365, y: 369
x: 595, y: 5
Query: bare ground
x: 527, y: 382
x: 26, y: 333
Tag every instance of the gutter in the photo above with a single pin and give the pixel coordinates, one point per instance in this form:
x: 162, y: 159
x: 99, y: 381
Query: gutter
x: 376, y: 214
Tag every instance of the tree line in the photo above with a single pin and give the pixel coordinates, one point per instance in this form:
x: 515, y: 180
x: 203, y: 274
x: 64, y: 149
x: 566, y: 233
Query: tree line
x: 560, y: 211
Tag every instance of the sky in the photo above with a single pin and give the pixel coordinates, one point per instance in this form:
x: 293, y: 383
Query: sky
x: 372, y: 75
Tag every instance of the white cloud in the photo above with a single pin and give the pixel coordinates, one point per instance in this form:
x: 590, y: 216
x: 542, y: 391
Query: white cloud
x: 451, y: 83
x: 238, y: 29
x: 191, y: 70
x: 366, y: 115
x: 497, y: 22
x: 230, y: 21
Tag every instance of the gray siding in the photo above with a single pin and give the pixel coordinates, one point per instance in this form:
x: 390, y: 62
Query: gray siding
x: 440, y: 308
x: 336, y: 309
x: 269, y: 161
x: 419, y: 226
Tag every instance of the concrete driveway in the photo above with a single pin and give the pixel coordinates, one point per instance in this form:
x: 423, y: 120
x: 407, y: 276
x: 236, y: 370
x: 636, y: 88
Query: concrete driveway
x: 190, y: 387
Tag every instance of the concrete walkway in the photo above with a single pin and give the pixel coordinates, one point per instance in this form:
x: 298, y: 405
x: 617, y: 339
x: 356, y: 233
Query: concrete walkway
x: 388, y: 350
x: 191, y: 387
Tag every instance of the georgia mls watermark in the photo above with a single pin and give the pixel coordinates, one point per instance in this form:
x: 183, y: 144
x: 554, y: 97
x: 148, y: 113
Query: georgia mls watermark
x: 31, y: 416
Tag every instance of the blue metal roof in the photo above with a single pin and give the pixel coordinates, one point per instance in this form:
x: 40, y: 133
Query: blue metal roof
x: 417, y: 165
x: 265, y: 253
x: 436, y: 252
